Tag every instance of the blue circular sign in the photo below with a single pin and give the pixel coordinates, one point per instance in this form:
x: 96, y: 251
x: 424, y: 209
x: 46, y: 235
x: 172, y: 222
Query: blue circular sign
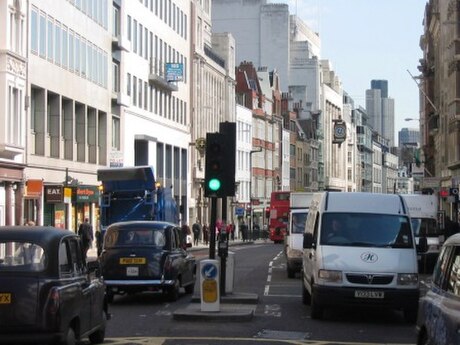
x: 209, y: 271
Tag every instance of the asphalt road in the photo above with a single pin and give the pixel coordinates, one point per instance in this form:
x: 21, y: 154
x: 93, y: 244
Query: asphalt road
x: 280, y: 317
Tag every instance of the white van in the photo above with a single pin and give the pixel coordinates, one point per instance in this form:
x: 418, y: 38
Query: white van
x: 298, y: 211
x: 423, y: 210
x: 359, y: 249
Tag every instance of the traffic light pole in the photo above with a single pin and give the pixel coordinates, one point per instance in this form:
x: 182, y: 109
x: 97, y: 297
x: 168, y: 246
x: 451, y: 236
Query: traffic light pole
x: 212, y: 229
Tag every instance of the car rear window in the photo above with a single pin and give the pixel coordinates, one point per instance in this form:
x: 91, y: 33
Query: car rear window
x: 135, y: 237
x: 22, y: 256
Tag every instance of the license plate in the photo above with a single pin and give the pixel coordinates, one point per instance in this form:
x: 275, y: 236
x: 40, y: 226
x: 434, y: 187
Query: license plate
x: 132, y: 271
x: 132, y: 261
x: 369, y: 294
x: 5, y: 298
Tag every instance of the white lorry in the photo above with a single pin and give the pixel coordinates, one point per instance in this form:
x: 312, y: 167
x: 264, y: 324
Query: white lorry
x: 423, y: 210
x: 298, y: 211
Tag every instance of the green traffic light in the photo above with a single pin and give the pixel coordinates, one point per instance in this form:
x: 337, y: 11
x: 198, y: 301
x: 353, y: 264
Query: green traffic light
x: 214, y: 184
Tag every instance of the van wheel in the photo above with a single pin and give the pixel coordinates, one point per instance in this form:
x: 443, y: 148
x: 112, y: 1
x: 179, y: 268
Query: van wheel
x: 290, y: 272
x: 316, y: 311
x: 306, y: 297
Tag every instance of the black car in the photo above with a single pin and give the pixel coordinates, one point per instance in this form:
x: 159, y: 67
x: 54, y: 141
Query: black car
x: 439, y: 309
x: 48, y: 293
x: 146, y: 256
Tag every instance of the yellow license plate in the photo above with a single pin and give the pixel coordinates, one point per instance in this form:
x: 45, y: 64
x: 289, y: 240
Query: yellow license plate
x: 132, y: 261
x: 5, y: 298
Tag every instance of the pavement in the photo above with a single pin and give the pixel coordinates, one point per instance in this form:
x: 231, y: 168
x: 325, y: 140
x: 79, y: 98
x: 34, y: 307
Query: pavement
x: 232, y: 306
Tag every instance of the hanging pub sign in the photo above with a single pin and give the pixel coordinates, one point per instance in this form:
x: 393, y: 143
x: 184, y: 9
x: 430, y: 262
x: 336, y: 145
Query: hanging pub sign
x: 340, y: 132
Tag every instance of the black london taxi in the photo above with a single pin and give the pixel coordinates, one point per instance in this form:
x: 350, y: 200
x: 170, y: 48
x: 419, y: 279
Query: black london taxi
x: 439, y: 309
x: 48, y: 292
x: 140, y: 256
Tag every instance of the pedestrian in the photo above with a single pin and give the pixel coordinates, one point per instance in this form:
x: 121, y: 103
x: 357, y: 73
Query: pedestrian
x: 205, y: 234
x: 196, y: 229
x: 185, y: 230
x: 99, y: 242
x: 85, y: 231
x: 244, y: 231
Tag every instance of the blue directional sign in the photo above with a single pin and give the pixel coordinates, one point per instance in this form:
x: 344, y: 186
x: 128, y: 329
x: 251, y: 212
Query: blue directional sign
x: 209, y: 271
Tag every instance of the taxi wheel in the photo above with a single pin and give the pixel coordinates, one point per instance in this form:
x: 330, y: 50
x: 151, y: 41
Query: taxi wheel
x: 173, y: 291
x: 70, y: 338
x: 99, y: 336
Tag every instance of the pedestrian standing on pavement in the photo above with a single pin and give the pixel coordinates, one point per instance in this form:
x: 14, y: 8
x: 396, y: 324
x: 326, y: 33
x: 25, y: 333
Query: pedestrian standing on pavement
x: 185, y: 229
x: 205, y: 234
x: 244, y: 231
x: 99, y: 241
x: 85, y: 231
x: 196, y: 229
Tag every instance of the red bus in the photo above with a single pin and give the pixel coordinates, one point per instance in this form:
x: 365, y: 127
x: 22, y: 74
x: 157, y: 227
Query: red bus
x: 279, y: 214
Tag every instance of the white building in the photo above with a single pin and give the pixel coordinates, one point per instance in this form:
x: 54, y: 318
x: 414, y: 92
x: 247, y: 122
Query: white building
x: 155, y: 73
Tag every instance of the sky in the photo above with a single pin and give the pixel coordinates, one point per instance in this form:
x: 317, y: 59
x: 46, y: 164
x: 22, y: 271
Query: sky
x: 370, y: 39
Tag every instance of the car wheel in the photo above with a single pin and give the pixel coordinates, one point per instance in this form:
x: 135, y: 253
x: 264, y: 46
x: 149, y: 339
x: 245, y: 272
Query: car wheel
x: 316, y: 310
x: 422, y: 338
x: 173, y: 291
x: 410, y: 314
x: 70, y: 338
x: 189, y: 289
x: 99, y: 336
x: 109, y: 296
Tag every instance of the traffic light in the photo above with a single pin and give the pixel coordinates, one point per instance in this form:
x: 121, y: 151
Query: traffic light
x: 220, y: 162
x: 215, y: 165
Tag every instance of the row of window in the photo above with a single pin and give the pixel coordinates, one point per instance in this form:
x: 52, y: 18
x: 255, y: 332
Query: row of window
x: 153, y: 49
x: 155, y: 100
x: 170, y: 13
x: 94, y: 9
x: 60, y: 45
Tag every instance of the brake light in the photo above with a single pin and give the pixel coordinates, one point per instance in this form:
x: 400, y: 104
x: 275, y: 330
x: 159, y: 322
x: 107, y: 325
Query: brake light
x: 54, y: 301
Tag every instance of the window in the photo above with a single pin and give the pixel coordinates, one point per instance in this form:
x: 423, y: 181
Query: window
x: 134, y: 91
x: 115, y: 77
x: 115, y: 132
x: 50, y: 28
x: 65, y: 47
x: 57, y: 44
x: 34, y: 31
x: 116, y: 22
x: 129, y: 28
x: 14, y: 119
x: 453, y: 281
x: 42, y: 35
x: 128, y: 85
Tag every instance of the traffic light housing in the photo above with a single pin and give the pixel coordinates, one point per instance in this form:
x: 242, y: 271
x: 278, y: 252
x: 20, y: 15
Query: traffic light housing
x: 220, y: 162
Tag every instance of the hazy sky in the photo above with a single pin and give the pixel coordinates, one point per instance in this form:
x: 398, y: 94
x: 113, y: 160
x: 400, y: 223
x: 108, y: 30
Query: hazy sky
x: 370, y: 39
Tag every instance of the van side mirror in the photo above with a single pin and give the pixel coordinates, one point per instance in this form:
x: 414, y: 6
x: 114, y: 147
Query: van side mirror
x: 422, y: 246
x: 308, y: 242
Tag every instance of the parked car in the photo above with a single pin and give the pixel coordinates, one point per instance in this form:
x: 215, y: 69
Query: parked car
x: 140, y: 256
x: 439, y: 309
x: 48, y: 293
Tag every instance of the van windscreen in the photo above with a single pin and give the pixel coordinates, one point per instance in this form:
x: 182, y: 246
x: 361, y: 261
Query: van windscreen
x: 366, y: 230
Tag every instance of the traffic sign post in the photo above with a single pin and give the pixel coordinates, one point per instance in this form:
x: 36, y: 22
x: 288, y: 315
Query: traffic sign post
x: 209, y: 283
